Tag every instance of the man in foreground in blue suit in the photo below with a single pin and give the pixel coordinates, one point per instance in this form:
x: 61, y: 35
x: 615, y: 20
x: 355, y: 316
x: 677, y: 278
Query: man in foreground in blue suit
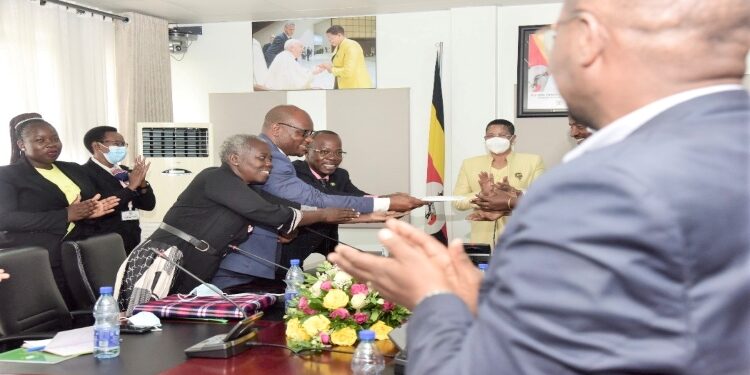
x: 632, y: 257
x: 288, y: 131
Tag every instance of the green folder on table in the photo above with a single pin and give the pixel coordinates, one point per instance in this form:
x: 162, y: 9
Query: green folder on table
x: 24, y: 356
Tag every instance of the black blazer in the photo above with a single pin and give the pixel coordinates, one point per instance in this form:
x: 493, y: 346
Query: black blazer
x: 217, y: 207
x: 33, y: 210
x: 307, y: 243
x: 107, y: 185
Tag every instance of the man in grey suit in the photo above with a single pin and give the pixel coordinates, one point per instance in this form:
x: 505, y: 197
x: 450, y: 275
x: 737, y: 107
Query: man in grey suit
x: 288, y: 130
x: 633, y: 256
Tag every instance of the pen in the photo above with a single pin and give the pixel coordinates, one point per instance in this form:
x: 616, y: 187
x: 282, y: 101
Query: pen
x: 35, y: 349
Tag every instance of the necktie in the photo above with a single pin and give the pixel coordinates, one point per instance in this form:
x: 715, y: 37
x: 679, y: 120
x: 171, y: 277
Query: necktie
x: 120, y: 174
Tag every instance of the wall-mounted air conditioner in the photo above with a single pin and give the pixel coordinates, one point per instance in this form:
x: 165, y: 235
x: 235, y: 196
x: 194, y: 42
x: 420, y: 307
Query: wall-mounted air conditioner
x: 177, y: 153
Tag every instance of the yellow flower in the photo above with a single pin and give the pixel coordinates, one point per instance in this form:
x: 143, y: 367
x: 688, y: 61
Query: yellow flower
x: 346, y: 336
x: 295, y: 332
x: 334, y: 299
x: 381, y: 330
x: 314, y: 324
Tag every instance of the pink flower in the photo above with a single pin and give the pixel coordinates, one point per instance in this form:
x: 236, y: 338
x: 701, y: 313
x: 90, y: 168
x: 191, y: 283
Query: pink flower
x: 340, y: 313
x: 325, y: 338
x: 359, y: 289
x: 308, y: 311
x: 326, y: 285
x: 303, y: 303
x: 360, y: 318
x: 388, y: 306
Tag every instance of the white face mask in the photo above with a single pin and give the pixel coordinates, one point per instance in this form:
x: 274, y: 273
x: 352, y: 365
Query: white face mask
x: 204, y: 290
x: 144, y: 319
x: 497, y: 145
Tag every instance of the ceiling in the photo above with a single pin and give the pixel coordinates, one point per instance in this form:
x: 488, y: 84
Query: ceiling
x: 204, y: 11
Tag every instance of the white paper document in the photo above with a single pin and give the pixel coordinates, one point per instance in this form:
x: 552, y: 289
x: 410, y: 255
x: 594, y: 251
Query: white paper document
x: 73, y: 342
x: 442, y: 198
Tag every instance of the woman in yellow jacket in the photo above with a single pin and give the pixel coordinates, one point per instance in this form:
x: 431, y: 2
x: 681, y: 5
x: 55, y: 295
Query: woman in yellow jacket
x: 501, y: 162
x: 348, y: 62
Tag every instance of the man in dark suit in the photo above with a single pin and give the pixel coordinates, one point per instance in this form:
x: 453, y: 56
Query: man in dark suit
x: 633, y: 256
x: 108, y: 148
x: 278, y: 43
x: 320, y: 169
x: 288, y: 130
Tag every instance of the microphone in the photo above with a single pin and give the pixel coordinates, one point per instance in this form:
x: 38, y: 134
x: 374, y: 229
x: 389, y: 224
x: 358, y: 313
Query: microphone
x: 198, y: 279
x: 251, y: 255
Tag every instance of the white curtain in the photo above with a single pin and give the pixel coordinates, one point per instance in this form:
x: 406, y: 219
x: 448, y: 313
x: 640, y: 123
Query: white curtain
x: 144, y: 79
x: 59, y: 64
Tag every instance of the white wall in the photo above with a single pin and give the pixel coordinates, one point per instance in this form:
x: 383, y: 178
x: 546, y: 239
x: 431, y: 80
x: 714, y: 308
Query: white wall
x: 219, y: 61
x: 479, y: 73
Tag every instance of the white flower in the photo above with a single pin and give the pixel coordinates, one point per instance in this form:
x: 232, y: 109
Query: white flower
x: 380, y: 301
x: 358, y: 301
x: 315, y: 289
x: 341, y: 278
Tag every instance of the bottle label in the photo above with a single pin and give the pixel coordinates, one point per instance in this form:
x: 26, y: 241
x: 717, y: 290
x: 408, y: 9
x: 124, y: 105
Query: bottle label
x: 106, y: 338
x: 288, y: 297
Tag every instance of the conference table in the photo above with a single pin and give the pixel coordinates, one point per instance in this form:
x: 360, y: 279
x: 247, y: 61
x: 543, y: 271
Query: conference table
x: 162, y: 353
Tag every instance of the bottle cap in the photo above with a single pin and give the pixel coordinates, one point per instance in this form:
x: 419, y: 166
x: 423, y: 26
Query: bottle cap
x: 482, y: 266
x: 294, y: 262
x: 366, y: 334
x: 105, y: 290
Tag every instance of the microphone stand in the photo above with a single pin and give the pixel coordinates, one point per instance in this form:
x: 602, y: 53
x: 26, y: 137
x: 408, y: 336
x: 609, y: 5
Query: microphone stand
x: 220, y: 346
x: 213, y: 288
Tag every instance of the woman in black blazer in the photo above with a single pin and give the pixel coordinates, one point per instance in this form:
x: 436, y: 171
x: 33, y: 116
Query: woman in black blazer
x: 130, y: 186
x: 34, y: 210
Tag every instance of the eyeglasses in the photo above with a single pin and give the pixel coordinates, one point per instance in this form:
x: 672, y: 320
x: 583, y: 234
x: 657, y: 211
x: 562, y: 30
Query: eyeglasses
x: 324, y: 153
x: 544, y: 38
x: 305, y: 133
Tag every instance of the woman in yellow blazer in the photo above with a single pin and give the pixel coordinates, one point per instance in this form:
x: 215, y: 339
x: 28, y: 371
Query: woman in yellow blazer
x: 348, y: 63
x: 501, y: 162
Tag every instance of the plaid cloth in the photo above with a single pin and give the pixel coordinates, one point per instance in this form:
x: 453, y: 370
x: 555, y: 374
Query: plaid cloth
x: 175, y: 306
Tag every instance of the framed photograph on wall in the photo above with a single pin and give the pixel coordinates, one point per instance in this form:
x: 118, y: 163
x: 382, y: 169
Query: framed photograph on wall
x: 315, y: 59
x: 536, y: 91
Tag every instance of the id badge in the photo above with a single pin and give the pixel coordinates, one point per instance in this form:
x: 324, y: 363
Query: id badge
x: 130, y: 215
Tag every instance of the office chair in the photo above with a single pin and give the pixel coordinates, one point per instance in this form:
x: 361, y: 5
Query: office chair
x: 90, y: 264
x: 32, y: 306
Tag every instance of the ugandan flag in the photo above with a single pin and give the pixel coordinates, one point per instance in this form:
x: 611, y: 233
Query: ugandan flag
x: 435, y: 216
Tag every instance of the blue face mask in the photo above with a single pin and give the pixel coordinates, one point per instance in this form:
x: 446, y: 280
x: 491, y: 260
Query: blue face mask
x: 116, y: 154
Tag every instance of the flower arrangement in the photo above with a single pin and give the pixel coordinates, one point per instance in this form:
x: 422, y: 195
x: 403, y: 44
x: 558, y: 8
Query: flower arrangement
x: 331, y: 308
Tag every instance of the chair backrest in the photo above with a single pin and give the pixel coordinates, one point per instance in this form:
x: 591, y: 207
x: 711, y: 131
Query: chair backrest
x: 90, y: 264
x: 30, y: 299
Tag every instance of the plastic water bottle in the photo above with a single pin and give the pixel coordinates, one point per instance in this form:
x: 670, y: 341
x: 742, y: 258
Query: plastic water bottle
x: 483, y: 267
x: 106, y: 325
x: 294, y: 278
x: 367, y: 359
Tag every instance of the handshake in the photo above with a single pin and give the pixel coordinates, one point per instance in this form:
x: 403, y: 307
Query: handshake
x: 321, y: 67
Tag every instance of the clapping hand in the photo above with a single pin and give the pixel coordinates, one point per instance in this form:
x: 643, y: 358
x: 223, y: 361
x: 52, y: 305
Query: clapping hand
x: 137, y: 176
x: 103, y: 206
x: 497, y: 201
x: 479, y: 215
x: 486, y: 182
x: 91, y: 208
